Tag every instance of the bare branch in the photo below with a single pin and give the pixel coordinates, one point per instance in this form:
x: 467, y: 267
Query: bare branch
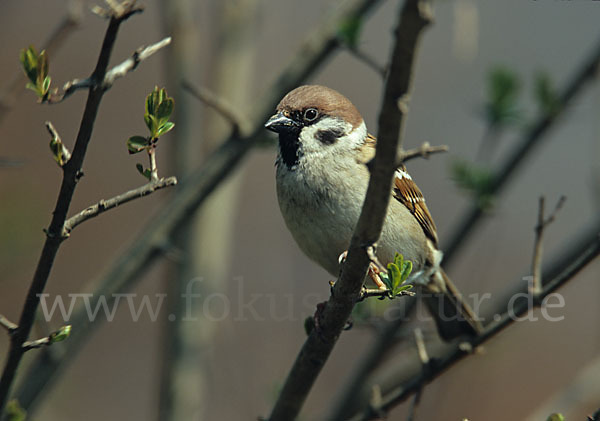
x: 71, y: 174
x: 313, y: 52
x: 115, y: 73
x: 60, y: 152
x: 413, y: 18
x: 104, y: 205
x: 118, y: 9
x: 7, y: 324
x: 542, y: 223
x: 421, y: 348
x: 38, y: 343
x: 424, y: 357
x: 422, y: 152
x: 132, y: 62
x: 532, y: 137
x: 383, y: 293
x: 409, y: 384
x: 218, y: 104
x: 368, y: 60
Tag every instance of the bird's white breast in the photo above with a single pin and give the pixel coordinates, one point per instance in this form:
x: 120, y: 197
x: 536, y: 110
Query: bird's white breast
x: 321, y: 203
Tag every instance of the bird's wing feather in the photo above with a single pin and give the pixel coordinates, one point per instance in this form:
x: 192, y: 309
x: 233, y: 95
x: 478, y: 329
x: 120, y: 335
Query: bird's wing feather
x: 408, y: 193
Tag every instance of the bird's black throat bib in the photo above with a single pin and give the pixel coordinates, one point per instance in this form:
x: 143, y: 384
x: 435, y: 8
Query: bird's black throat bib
x: 289, y: 148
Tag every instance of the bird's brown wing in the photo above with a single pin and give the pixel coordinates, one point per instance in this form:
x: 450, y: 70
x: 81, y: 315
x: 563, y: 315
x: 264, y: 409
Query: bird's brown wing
x: 408, y: 193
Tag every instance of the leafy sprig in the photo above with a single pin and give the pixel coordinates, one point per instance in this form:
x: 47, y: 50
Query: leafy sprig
x: 159, y: 107
x: 397, y: 274
x: 36, y: 68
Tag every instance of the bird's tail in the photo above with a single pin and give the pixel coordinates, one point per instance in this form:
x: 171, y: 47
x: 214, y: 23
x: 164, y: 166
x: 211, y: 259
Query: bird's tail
x: 453, y: 316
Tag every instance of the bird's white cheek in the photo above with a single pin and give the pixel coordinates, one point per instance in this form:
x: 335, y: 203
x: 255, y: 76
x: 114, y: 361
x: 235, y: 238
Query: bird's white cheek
x: 350, y: 139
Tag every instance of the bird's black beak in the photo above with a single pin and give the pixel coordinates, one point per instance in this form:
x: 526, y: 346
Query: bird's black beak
x: 280, y: 123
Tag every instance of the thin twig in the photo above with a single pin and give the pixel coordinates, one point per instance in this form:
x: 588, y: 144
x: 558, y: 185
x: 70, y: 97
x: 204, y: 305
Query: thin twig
x: 356, y: 393
x: 421, y: 152
x: 380, y: 347
x: 133, y: 262
x: 211, y: 100
x: 532, y: 138
x: 413, y: 18
x: 60, y: 152
x: 421, y: 348
x: 368, y: 60
x: 424, y: 358
x: 104, y: 205
x: 153, y: 167
x: 71, y: 175
x: 38, y: 343
x: 7, y: 324
x: 382, y: 293
x: 405, y: 387
x: 118, y: 71
x: 132, y: 62
x: 538, y: 248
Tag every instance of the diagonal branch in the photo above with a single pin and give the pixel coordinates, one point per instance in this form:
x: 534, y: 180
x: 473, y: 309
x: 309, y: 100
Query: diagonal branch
x: 219, y: 105
x: 532, y: 138
x: 192, y: 192
x: 413, y: 18
x: 119, y: 71
x: 104, y: 205
x: 71, y: 174
x: 407, y: 382
x: 541, y: 225
x: 7, y: 324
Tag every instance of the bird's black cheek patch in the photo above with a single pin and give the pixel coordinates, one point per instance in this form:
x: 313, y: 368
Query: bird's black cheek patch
x: 329, y: 137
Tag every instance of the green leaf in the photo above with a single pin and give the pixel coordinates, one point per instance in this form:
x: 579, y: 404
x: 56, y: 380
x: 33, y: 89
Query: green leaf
x: 137, y: 144
x: 46, y: 85
x: 503, y: 90
x: 477, y: 181
x: 545, y: 94
x: 165, y: 128
x: 42, y: 67
x: 403, y: 288
x: 386, y: 280
x: 28, y: 59
x: 159, y: 108
x: 61, y: 334
x: 14, y: 411
x: 145, y: 172
x: 33, y: 87
x: 406, y: 270
x: 60, y: 153
x: 151, y: 101
x: 556, y: 417
x: 394, y: 275
x: 164, y: 110
x: 349, y: 31
x: 150, y: 123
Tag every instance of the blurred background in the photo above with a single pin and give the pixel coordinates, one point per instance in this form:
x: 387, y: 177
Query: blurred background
x: 228, y: 359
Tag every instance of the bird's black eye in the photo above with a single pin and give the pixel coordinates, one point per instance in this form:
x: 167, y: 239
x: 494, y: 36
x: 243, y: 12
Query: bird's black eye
x: 310, y: 114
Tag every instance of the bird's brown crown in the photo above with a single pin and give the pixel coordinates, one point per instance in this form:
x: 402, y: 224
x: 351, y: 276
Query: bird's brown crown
x: 326, y: 100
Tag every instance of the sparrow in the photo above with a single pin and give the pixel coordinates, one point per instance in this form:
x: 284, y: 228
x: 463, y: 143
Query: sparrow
x: 321, y: 181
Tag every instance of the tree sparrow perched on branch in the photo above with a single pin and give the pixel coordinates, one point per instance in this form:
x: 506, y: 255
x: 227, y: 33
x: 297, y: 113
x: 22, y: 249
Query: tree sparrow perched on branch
x: 321, y: 185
